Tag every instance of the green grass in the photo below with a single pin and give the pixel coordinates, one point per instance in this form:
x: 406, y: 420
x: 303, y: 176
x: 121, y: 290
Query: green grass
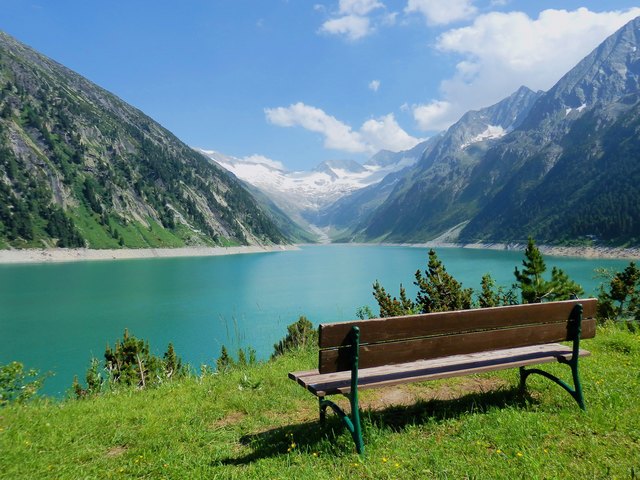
x: 219, y: 426
x: 88, y: 225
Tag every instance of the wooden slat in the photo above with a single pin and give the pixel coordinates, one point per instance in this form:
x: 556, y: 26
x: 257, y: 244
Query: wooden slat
x: 442, y: 323
x: 374, y: 355
x: 432, y: 369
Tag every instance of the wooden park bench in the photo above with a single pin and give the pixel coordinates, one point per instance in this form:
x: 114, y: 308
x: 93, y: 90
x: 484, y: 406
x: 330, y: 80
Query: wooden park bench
x: 381, y: 352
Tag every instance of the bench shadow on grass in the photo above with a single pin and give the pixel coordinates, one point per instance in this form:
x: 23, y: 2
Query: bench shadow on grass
x: 332, y: 437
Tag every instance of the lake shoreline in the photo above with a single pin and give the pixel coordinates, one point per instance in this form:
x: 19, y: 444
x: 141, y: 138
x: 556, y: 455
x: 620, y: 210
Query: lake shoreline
x: 59, y: 255
x: 551, y: 250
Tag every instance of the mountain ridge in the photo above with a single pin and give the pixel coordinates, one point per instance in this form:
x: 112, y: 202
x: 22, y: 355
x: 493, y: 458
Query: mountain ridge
x: 550, y: 174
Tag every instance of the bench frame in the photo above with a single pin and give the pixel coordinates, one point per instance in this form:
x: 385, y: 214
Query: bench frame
x: 352, y: 344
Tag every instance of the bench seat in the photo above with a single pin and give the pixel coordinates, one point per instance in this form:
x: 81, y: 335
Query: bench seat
x: 423, y: 370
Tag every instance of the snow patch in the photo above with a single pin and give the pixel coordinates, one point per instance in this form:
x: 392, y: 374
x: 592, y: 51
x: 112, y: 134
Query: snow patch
x: 492, y: 131
x: 307, y: 189
x: 581, y: 107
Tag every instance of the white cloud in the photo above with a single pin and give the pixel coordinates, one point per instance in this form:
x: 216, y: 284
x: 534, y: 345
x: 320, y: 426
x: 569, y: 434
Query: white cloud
x: 358, y: 7
x: 374, y: 85
x: 436, y: 115
x: 262, y: 160
x: 389, y: 19
x: 355, y: 19
x: 337, y: 135
x: 353, y: 27
x: 385, y: 133
x: 502, y: 51
x: 439, y: 12
x: 374, y: 135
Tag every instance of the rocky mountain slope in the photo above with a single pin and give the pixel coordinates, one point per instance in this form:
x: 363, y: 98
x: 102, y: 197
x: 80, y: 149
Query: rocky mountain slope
x: 582, y: 181
x: 428, y: 194
x: 565, y: 170
x: 80, y: 167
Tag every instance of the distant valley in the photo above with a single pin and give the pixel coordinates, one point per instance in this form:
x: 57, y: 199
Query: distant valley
x: 306, y: 195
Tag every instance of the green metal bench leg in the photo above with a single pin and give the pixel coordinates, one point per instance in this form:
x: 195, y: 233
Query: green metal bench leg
x: 576, y: 390
x: 352, y: 423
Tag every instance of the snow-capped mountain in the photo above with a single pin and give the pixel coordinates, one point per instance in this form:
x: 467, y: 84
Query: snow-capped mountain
x: 303, y: 193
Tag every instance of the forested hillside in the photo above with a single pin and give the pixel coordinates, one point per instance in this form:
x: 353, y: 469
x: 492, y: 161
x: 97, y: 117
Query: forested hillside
x: 79, y: 167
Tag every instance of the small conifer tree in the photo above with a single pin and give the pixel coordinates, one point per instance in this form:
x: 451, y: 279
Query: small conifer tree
x: 131, y: 363
x: 224, y: 361
x: 392, y: 307
x: 490, y: 296
x: 172, y: 363
x: 242, y: 358
x: 438, y: 291
x: 299, y: 335
x: 622, y: 300
x: 534, y: 288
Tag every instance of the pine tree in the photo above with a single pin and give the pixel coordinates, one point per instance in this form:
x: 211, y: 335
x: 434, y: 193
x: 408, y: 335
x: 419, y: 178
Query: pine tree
x: 224, y: 361
x: 131, y: 363
x: 94, y: 377
x: 172, y: 363
x: 252, y: 356
x: 534, y: 288
x: 94, y: 380
x: 392, y: 307
x: 622, y: 300
x: 532, y: 285
x: 242, y: 358
x: 438, y: 291
x: 491, y: 297
x: 487, y: 297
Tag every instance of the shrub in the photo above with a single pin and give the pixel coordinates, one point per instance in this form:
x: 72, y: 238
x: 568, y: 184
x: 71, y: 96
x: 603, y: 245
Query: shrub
x: 621, y: 302
x: 18, y: 385
x: 130, y: 362
x: 299, y: 335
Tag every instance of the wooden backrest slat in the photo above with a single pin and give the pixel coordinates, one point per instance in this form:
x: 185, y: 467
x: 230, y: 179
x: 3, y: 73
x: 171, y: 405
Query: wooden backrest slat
x: 444, y: 323
x: 378, y: 354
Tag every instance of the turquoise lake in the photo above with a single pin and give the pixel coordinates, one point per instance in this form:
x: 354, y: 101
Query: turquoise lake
x: 55, y: 317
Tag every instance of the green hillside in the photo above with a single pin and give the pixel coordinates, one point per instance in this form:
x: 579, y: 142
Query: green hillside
x: 80, y: 167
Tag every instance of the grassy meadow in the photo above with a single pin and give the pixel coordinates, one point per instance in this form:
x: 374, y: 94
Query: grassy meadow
x: 254, y: 422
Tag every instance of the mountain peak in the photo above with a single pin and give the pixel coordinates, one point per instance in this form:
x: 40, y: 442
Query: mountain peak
x: 609, y: 72
x: 329, y: 166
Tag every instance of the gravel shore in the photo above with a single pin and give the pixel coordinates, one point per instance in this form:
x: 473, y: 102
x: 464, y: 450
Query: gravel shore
x: 559, y: 251
x: 54, y: 255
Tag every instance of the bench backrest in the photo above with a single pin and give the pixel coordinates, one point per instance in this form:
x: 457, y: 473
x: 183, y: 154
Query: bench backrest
x: 392, y: 340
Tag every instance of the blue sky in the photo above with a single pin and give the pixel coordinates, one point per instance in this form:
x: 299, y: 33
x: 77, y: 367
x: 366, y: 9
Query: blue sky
x: 298, y: 82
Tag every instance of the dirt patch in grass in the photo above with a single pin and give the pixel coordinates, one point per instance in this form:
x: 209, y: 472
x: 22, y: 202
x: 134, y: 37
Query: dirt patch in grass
x: 232, y: 418
x: 404, y: 395
x: 116, y: 451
